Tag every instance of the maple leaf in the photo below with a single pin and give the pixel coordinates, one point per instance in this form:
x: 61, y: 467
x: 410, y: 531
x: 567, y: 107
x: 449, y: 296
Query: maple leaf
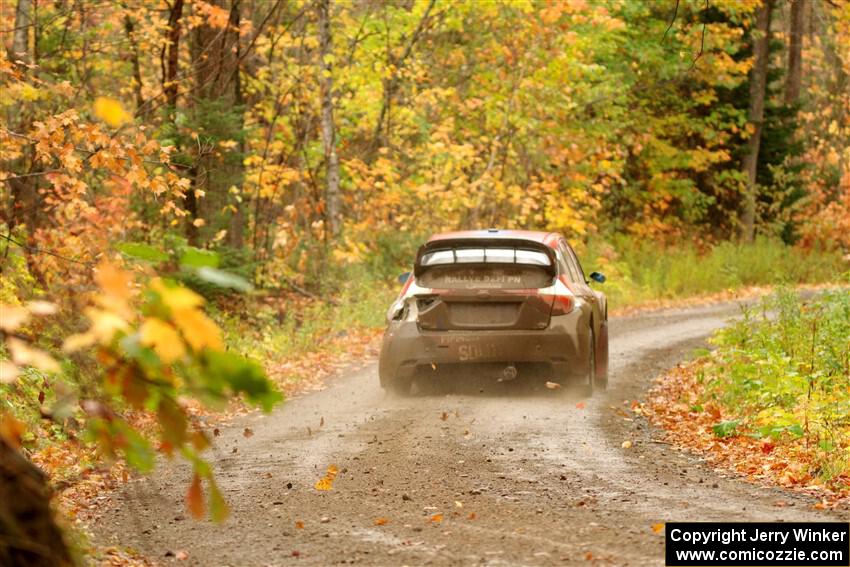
x: 25, y: 355
x: 12, y: 317
x: 163, y: 338
x: 8, y: 372
x: 198, y: 329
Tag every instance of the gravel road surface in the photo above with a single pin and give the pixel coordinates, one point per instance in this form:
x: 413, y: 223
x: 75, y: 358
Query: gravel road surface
x: 514, y: 478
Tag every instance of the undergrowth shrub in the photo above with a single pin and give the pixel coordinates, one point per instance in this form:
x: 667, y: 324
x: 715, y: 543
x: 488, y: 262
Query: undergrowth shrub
x: 783, y: 372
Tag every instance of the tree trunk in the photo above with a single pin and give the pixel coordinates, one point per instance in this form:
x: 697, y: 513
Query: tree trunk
x: 129, y: 29
x: 332, y: 197
x: 169, y: 75
x: 29, y: 536
x: 25, y: 201
x: 795, y: 52
x: 236, y: 234
x: 218, y: 115
x: 21, y: 38
x: 758, y: 87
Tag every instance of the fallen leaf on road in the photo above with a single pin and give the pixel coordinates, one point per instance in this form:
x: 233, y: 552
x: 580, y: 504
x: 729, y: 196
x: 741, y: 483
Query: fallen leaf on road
x: 299, y: 525
x: 445, y: 416
x: 216, y: 432
x: 458, y: 504
x: 658, y: 528
x: 327, y: 481
x: 627, y: 445
x: 436, y: 518
x: 472, y: 516
x: 248, y: 432
x: 381, y: 521
x: 553, y: 385
x: 580, y: 405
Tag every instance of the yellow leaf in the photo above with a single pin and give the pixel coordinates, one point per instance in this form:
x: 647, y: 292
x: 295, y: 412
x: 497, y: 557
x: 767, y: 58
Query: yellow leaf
x: 198, y: 329
x: 163, y: 338
x: 116, y: 285
x: 327, y: 481
x: 8, y: 372
x: 110, y: 111
x: 658, y: 528
x: 177, y: 298
x: 25, y: 355
x: 12, y: 317
x: 42, y: 307
x: 627, y: 444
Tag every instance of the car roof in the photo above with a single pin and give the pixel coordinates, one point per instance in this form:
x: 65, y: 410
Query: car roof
x: 543, y: 237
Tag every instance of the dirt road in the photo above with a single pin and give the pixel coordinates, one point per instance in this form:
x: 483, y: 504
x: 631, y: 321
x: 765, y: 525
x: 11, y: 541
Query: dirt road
x: 518, y: 480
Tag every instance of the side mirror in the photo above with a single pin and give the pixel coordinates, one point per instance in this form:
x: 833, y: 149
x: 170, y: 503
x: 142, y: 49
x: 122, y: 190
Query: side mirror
x: 402, y: 278
x: 598, y: 277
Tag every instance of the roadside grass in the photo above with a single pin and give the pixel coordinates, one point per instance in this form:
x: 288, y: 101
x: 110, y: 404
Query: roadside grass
x: 641, y: 272
x: 773, y: 399
x: 298, y: 336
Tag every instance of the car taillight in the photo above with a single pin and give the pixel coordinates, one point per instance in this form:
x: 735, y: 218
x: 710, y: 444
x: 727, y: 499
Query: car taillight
x: 562, y: 305
x: 563, y: 300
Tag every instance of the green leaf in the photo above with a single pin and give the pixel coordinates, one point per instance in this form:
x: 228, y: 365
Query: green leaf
x: 244, y: 376
x: 796, y: 430
x: 726, y: 428
x: 141, y: 251
x: 224, y: 279
x: 137, y: 450
x: 199, y: 258
x: 219, y: 511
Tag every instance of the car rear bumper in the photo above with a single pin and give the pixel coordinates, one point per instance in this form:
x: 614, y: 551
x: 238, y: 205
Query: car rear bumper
x: 560, y: 348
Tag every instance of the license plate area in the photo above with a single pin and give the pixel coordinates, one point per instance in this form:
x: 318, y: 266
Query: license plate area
x: 483, y: 314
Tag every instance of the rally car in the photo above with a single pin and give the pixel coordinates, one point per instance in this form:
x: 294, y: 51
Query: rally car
x: 499, y: 304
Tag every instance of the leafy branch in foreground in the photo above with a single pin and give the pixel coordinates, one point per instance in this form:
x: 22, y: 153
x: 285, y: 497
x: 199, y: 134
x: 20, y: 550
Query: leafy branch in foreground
x: 157, y: 350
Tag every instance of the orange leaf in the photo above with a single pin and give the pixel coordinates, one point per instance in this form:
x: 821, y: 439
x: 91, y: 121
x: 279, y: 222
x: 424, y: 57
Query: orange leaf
x: 195, y: 498
x: 381, y: 521
x: 436, y: 518
x: 658, y: 528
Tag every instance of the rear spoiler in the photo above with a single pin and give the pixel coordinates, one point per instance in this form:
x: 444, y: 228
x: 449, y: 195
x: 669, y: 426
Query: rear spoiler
x: 459, y: 243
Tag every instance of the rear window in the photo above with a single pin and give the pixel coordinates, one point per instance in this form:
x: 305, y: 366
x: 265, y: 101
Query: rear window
x: 485, y: 256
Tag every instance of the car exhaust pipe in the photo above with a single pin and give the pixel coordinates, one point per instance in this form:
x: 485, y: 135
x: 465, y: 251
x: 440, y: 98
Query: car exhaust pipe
x: 509, y: 373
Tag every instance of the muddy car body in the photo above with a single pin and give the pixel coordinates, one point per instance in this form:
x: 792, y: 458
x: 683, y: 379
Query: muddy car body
x: 502, y: 304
